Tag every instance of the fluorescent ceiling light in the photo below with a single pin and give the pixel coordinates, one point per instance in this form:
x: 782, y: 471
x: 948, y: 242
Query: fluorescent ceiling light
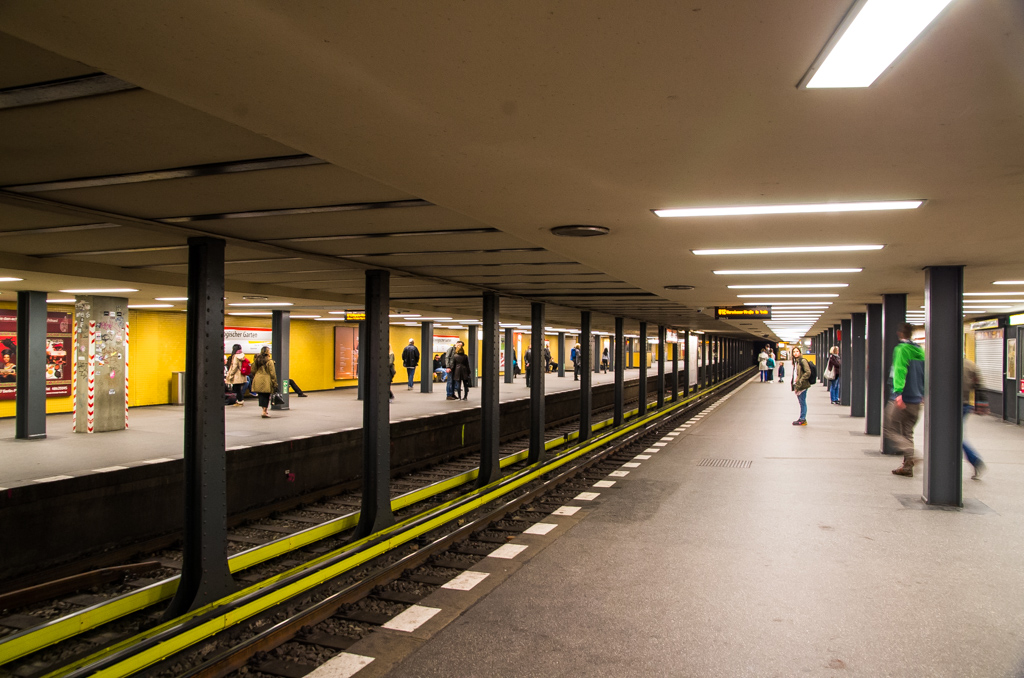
x: 992, y: 294
x: 172, y: 298
x: 994, y: 301
x: 150, y: 305
x: 5, y: 279
x: 982, y: 308
x: 60, y: 301
x: 304, y: 317
x: 776, y: 271
x: 790, y: 250
x: 425, y: 319
x: 332, y: 320
x: 251, y: 313
x: 808, y: 208
x: 779, y: 287
x: 263, y: 303
x: 1009, y: 282
x: 777, y: 304
x: 99, y: 290
x: 399, y: 315
x: 873, y: 34
x: 777, y: 296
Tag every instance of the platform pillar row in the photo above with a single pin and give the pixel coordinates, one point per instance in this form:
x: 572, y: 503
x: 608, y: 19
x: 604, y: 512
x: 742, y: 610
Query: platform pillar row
x: 537, y: 452
x: 30, y: 397
x: 473, y: 350
x: 426, y: 357
x: 675, y: 370
x: 894, y: 314
x: 620, y: 373
x: 375, y: 512
x: 490, y: 403
x: 510, y: 373
x: 856, y: 361
x: 845, y: 349
x: 205, y: 576
x: 561, y: 354
x: 280, y: 341
x: 586, y: 378
x: 943, y: 402
x: 642, y: 394
x: 661, y: 365
x: 361, y: 361
x: 685, y: 338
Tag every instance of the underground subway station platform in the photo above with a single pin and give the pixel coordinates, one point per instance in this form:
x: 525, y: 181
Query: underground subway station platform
x: 511, y: 339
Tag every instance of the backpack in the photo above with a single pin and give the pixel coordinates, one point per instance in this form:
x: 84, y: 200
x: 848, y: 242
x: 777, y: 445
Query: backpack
x: 246, y: 368
x: 814, y: 370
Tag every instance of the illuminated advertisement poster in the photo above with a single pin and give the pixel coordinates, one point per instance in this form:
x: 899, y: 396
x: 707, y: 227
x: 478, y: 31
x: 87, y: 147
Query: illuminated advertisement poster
x: 346, y: 352
x: 58, y: 346
x: 444, y: 342
x: 251, y: 339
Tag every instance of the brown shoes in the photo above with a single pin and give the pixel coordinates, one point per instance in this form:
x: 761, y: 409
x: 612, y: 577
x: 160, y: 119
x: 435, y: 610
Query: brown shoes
x: 904, y: 470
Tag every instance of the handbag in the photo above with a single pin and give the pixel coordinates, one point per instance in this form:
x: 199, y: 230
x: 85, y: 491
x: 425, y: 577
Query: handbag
x: 276, y: 399
x: 830, y: 373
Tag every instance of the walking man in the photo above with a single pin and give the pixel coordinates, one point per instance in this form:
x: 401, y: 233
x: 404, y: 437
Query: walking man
x: 971, y: 382
x: 526, y: 365
x: 411, y: 360
x: 904, y: 406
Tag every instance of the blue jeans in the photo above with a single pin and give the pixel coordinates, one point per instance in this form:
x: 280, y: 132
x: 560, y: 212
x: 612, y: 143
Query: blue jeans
x: 833, y: 390
x: 802, y: 397
x: 451, y: 386
x: 972, y: 456
x: 412, y: 373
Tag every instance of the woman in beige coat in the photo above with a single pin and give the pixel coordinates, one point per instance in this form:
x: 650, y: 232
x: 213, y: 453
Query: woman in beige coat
x: 264, y: 381
x: 234, y: 378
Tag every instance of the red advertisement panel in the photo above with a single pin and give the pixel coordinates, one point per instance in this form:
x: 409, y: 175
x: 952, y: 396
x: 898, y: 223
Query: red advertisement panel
x: 58, y: 350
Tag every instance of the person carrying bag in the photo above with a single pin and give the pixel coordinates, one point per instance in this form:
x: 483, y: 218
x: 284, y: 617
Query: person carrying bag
x: 264, y: 383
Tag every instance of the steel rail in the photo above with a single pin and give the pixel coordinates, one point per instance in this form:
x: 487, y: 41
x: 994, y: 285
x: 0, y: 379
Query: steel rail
x: 152, y: 646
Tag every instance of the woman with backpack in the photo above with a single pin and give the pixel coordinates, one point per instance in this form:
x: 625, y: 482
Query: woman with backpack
x: 234, y: 378
x: 264, y: 381
x: 801, y: 382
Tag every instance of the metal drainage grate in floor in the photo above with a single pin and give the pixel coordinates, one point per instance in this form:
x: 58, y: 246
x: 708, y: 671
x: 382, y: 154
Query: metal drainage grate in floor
x: 726, y: 463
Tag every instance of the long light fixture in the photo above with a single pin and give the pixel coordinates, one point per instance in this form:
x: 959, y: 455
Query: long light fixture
x: 781, y: 296
x: 100, y: 290
x: 992, y: 294
x: 789, y: 250
x: 775, y: 304
x: 172, y: 298
x: 263, y: 303
x: 304, y: 317
x: 7, y: 279
x: 788, y: 287
x: 150, y: 305
x: 779, y: 271
x: 806, y: 208
x: 871, y: 36
x: 60, y: 301
x: 1009, y: 282
x: 400, y: 315
x: 248, y: 314
x: 994, y: 301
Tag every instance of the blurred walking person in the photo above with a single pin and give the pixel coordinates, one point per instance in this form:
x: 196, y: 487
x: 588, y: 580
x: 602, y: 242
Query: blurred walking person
x: 904, y: 406
x: 970, y: 385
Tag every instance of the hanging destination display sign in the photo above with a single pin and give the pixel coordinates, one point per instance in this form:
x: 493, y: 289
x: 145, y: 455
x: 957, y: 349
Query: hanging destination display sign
x: 759, y: 312
x: 355, y: 316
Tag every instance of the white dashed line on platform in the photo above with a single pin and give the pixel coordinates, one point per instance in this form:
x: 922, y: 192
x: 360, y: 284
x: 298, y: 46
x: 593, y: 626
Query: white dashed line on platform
x: 642, y: 456
x: 507, y: 552
x: 157, y: 461
x: 344, y: 665
x: 631, y: 464
x: 566, y: 511
x: 619, y: 474
x: 109, y: 469
x: 587, y: 496
x: 51, y: 479
x: 540, y: 528
x: 604, y: 483
x: 412, y: 618
x: 659, y: 445
x: 465, y: 581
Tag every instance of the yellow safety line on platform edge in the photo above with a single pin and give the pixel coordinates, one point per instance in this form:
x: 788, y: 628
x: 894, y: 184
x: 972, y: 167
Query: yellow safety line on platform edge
x: 192, y: 636
x: 79, y: 622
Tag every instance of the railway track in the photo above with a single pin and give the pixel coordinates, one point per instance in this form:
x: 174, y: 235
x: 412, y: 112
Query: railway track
x: 314, y: 538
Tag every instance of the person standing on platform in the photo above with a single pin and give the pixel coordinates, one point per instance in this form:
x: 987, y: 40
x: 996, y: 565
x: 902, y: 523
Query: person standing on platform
x: 762, y: 364
x: 264, y: 381
x: 526, y: 365
x: 391, y: 373
x: 970, y: 385
x: 461, y: 374
x: 449, y: 362
x: 833, y: 372
x: 234, y: 378
x: 770, y: 366
x: 782, y: 366
x: 575, y: 357
x: 439, y: 371
x: 411, y: 360
x: 904, y: 406
x: 547, y: 356
x: 604, y: 359
x: 801, y: 382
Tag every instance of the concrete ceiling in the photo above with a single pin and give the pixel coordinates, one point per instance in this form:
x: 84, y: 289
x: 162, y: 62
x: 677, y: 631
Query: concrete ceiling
x: 502, y: 121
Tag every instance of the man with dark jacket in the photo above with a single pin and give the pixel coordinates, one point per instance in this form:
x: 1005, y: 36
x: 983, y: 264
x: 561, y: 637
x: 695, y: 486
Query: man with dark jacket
x: 448, y: 362
x: 904, y: 406
x: 411, y: 360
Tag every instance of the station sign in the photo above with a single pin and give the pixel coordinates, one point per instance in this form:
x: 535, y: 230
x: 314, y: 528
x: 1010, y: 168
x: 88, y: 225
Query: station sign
x: 985, y: 324
x: 355, y: 316
x: 757, y: 312
x: 251, y: 339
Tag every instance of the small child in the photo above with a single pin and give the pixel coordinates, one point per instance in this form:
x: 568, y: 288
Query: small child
x: 782, y: 371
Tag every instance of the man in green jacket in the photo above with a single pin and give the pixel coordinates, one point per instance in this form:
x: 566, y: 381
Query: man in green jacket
x: 904, y: 406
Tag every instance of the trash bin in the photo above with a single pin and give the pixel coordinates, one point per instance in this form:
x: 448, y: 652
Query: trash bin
x: 177, y: 388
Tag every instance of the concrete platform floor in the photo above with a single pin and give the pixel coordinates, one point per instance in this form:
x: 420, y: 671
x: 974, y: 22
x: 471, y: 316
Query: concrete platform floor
x: 815, y: 561
x: 156, y: 433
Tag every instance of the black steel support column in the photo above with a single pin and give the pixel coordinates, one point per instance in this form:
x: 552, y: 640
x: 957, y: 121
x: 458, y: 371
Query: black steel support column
x: 426, y: 357
x: 675, y: 370
x: 620, y: 374
x: 894, y: 314
x: 537, y: 452
x: 561, y: 354
x: 361, y: 362
x: 702, y: 371
x: 280, y: 341
x: 642, y: 405
x: 375, y: 512
x: 205, y: 576
x: 30, y: 398
x: 662, y: 346
x: 943, y: 416
x: 874, y: 374
x: 474, y: 351
x: 611, y: 354
x: 597, y: 353
x: 686, y: 363
x: 586, y: 377
x: 853, y: 364
x: 845, y: 349
x: 510, y: 373
x: 490, y: 466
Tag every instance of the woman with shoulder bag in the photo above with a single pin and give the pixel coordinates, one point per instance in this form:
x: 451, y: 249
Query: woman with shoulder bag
x: 264, y: 381
x: 234, y: 378
x: 833, y: 372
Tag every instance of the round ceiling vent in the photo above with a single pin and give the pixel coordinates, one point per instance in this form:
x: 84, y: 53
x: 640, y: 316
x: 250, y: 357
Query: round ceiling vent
x: 679, y: 287
x: 580, y: 231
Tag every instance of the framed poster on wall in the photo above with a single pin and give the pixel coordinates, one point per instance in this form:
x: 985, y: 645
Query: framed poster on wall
x: 1011, y: 358
x: 346, y: 352
x: 58, y: 348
